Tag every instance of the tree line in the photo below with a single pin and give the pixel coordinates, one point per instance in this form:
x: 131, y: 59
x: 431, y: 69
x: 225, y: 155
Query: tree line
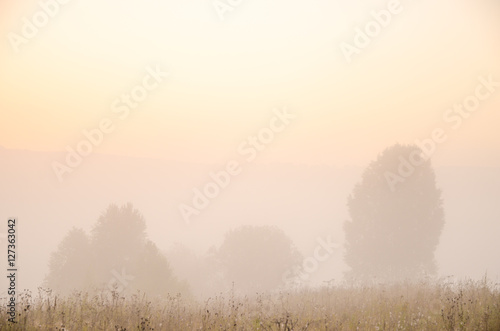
x: 392, y: 233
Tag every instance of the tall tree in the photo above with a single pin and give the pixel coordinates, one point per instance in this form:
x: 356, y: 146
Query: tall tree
x: 396, y: 216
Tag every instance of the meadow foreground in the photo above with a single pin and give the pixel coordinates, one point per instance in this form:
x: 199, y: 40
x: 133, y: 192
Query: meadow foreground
x: 402, y: 306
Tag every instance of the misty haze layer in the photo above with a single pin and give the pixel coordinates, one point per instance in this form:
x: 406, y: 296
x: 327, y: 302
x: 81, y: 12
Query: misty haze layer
x: 307, y: 202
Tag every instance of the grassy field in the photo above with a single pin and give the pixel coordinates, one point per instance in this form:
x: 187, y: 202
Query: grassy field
x: 402, y: 306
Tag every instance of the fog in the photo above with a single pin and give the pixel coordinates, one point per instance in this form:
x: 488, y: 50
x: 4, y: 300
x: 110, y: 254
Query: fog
x: 308, y: 203
x: 187, y: 148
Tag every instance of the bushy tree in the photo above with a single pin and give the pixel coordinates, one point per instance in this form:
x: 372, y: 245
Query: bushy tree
x: 118, y: 238
x: 203, y: 273
x: 70, y: 264
x: 154, y: 274
x: 117, y: 257
x: 255, y: 258
x: 396, y: 216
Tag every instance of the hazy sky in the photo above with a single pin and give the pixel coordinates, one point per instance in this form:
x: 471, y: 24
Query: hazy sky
x: 226, y: 76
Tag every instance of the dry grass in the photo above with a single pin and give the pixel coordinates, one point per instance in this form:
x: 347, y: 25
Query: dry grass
x: 403, y: 306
